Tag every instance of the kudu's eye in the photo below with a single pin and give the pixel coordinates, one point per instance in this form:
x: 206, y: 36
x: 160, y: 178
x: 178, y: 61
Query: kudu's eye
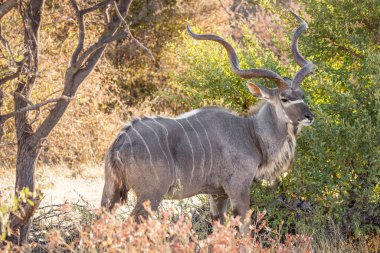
x: 284, y: 100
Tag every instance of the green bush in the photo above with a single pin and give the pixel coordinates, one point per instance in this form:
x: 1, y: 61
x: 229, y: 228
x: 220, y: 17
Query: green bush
x: 207, y: 77
x: 335, y: 178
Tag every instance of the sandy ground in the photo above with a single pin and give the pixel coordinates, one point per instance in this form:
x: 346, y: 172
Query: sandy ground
x: 60, y: 184
x: 79, y: 185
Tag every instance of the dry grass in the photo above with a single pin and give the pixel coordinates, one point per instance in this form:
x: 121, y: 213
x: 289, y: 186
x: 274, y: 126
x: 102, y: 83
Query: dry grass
x: 69, y: 220
x: 77, y: 228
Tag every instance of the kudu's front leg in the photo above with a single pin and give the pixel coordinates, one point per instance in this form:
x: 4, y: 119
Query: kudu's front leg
x: 218, y: 206
x: 238, y: 193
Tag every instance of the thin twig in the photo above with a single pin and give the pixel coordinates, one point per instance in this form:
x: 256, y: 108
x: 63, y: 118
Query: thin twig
x: 147, y: 50
x: 224, y: 8
x: 79, y: 47
x: 53, y: 93
x: 107, y: 18
x: 7, y: 143
x: 19, y: 95
x: 14, y: 75
x: 7, y: 6
x: 98, y: 45
x: 94, y: 7
x: 5, y: 43
x: 10, y: 77
x: 5, y: 117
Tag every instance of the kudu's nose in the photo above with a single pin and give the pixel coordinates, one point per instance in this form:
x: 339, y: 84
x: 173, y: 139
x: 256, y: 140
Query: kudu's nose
x: 309, y: 116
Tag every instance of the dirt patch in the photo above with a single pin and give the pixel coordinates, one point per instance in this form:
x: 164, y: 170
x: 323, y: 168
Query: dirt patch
x: 60, y: 185
x: 81, y: 185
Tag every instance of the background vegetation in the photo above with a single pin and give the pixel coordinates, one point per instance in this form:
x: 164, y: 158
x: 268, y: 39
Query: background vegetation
x: 335, y: 178
x: 334, y: 185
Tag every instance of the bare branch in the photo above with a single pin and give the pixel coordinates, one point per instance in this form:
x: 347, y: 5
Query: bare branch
x: 5, y: 117
x: 19, y: 64
x: 9, y: 77
x: 80, y: 14
x: 19, y: 95
x: 90, y: 64
x: 147, y: 50
x: 79, y: 47
x: 107, y: 18
x: 107, y: 37
x: 76, y: 73
x: 7, y: 143
x: 7, y: 6
x: 95, y: 7
x: 7, y: 47
x: 224, y: 8
x: 102, y: 42
x: 93, y: 54
x: 123, y: 8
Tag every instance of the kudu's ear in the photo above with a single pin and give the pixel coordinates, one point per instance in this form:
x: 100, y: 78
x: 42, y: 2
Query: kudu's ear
x: 259, y: 91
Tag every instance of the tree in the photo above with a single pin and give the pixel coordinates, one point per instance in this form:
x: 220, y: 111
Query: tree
x: 25, y: 72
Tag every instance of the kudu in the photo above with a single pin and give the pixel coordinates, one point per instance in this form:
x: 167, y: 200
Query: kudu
x: 211, y: 150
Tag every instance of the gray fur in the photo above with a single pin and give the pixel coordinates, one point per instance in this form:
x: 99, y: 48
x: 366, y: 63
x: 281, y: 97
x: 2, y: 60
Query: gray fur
x: 207, y: 151
x: 211, y: 150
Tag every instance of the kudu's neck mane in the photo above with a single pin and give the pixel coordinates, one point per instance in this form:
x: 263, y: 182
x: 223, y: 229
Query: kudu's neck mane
x: 275, y: 138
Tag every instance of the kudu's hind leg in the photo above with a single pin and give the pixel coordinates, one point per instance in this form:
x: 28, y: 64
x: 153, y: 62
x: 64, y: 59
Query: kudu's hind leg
x: 218, y: 206
x: 139, y: 210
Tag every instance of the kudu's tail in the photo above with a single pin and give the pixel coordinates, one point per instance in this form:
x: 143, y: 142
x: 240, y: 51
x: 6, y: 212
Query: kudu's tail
x: 115, y: 187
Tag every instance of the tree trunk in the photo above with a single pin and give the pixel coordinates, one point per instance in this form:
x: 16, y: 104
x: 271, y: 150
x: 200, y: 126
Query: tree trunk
x: 27, y: 155
x: 27, y: 148
x: 1, y: 122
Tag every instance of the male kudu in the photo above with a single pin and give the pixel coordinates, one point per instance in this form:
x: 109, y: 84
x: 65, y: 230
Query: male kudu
x: 211, y: 150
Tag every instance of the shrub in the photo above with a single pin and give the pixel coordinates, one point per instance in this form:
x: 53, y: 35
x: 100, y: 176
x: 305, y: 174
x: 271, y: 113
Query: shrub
x: 168, y: 232
x: 335, y: 176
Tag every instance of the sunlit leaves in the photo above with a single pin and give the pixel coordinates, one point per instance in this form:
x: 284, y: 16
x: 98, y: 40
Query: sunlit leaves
x: 337, y: 166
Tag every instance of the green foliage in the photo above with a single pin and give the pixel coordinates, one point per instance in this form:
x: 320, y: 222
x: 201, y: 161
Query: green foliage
x: 208, y: 75
x: 337, y: 169
x: 25, y: 196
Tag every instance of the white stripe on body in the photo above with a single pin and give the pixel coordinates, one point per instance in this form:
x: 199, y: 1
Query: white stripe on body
x: 191, y: 148
x: 159, y: 142
x: 130, y: 143
x: 117, y: 153
x: 167, y: 143
x: 147, y: 148
x: 203, y: 149
x: 208, y: 139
